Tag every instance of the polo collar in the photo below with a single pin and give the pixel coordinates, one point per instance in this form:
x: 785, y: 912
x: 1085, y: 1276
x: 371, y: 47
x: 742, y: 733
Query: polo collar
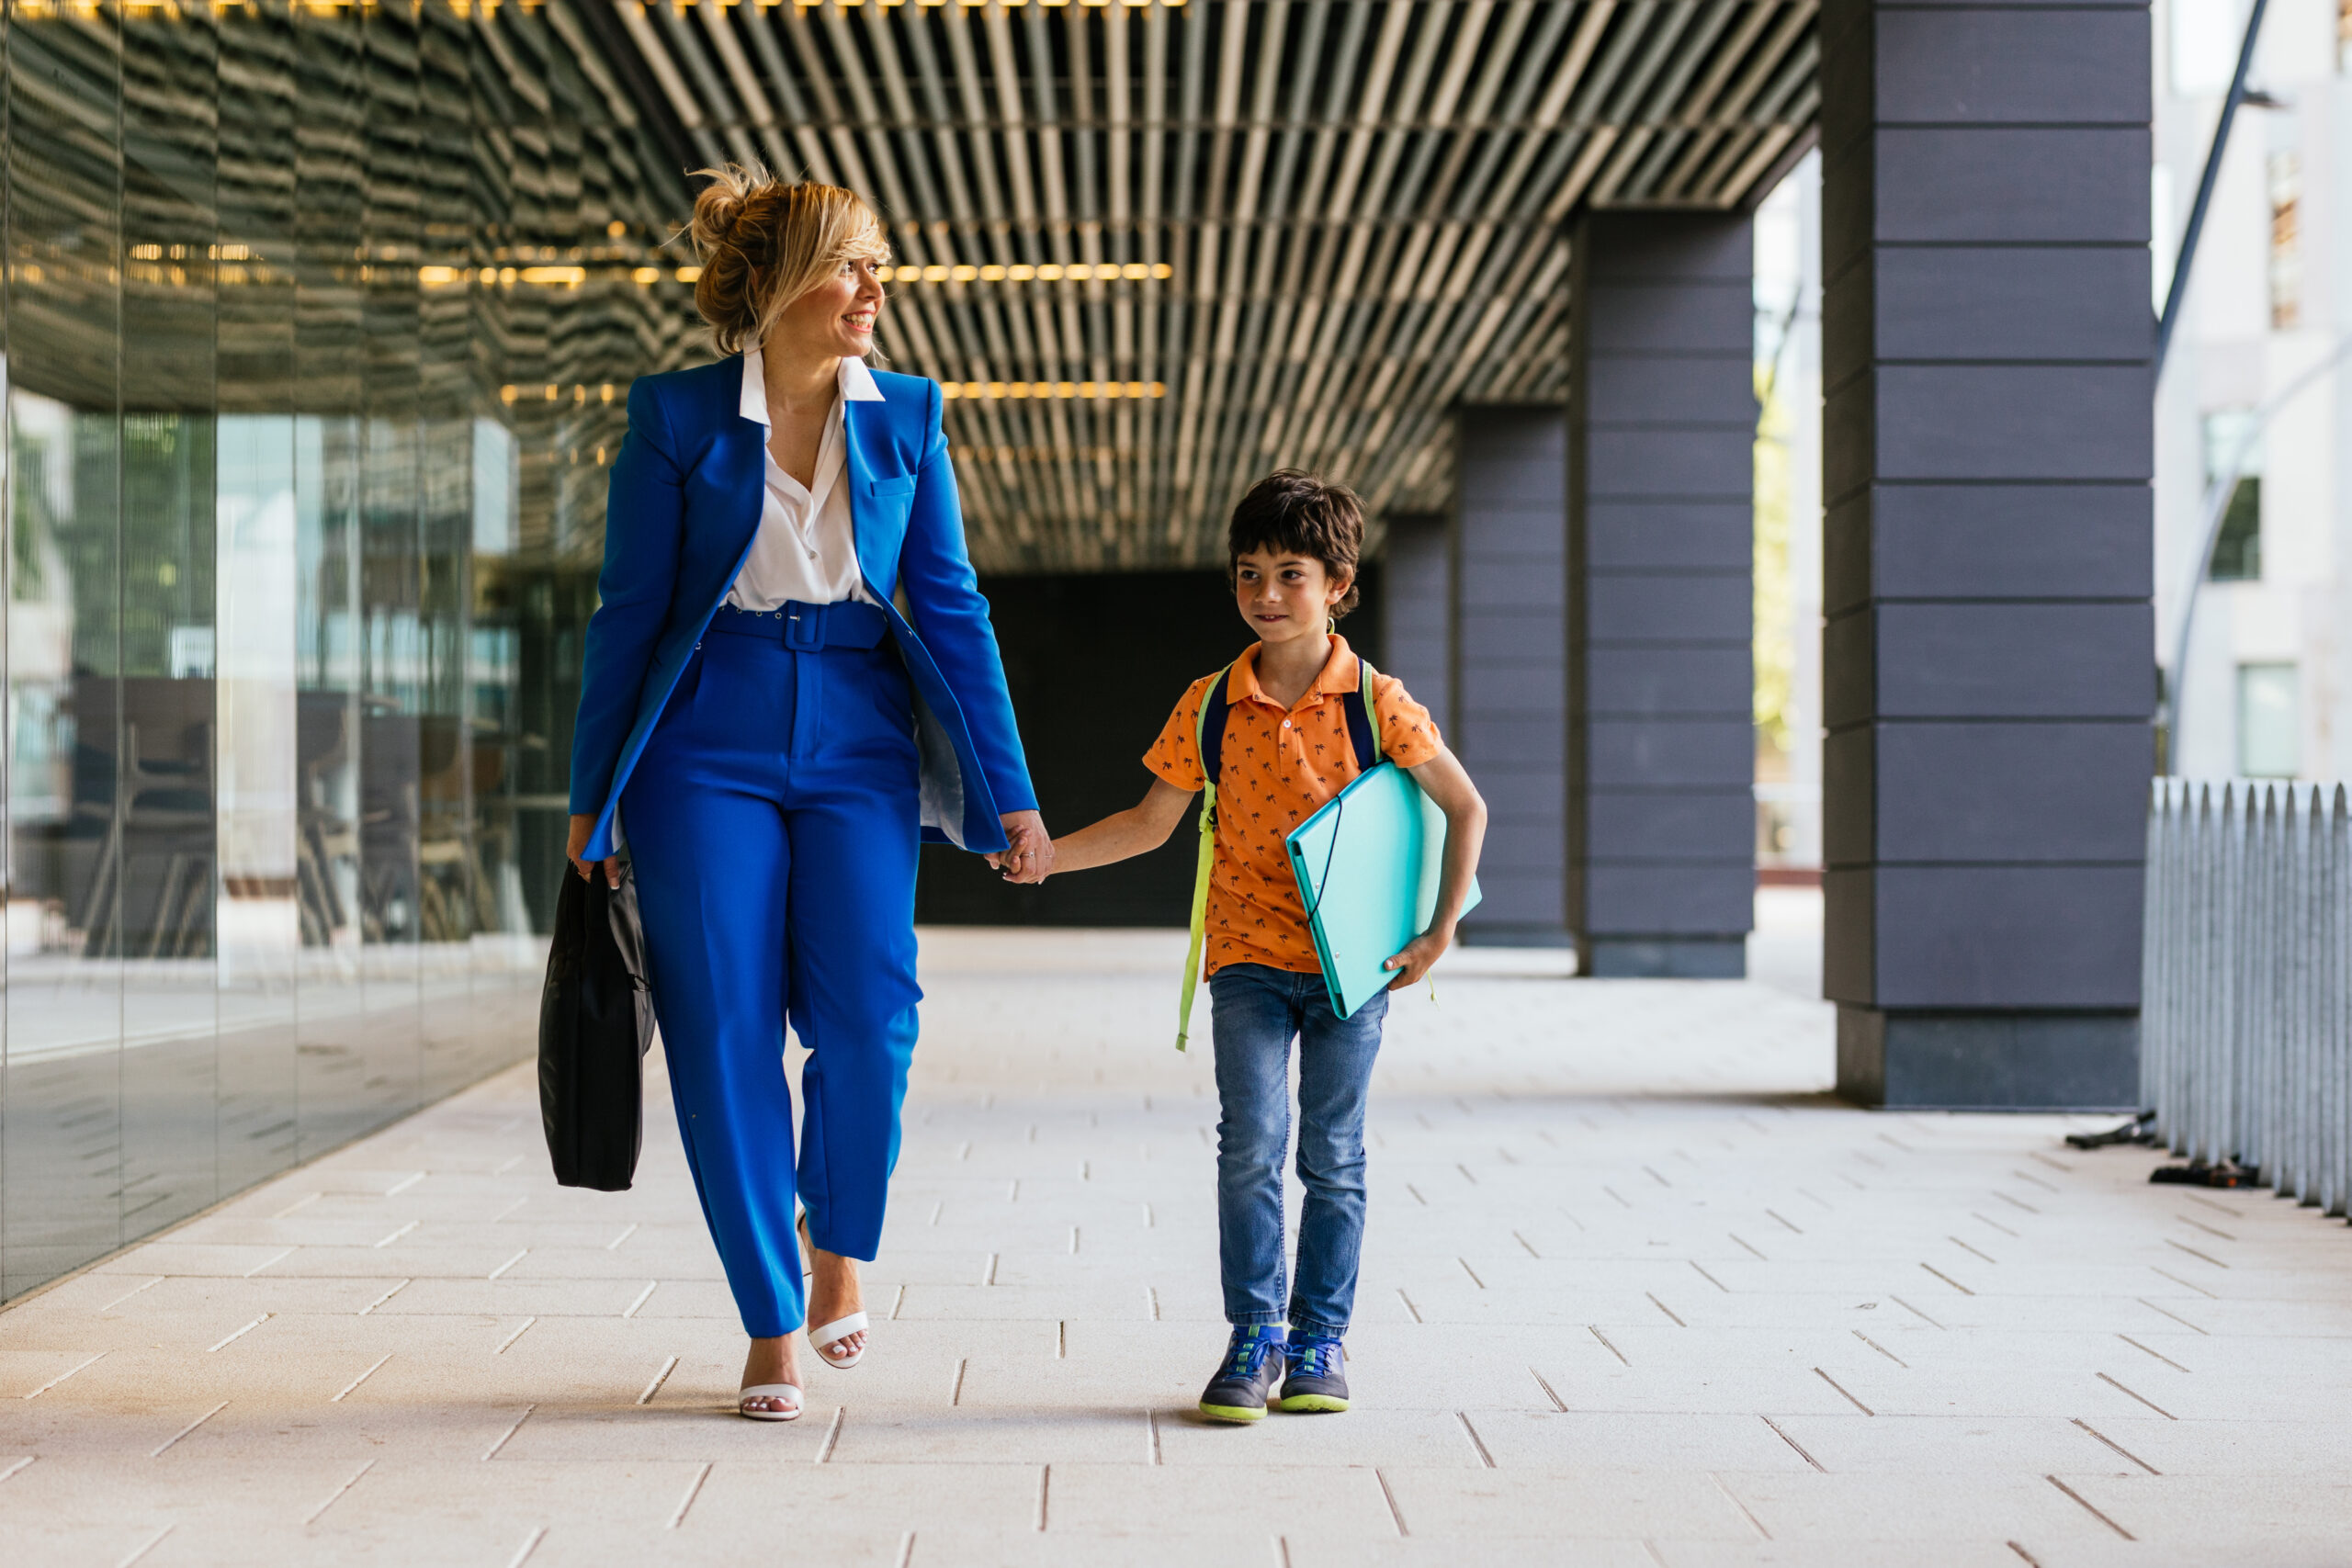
x: 856, y: 382
x: 1337, y: 677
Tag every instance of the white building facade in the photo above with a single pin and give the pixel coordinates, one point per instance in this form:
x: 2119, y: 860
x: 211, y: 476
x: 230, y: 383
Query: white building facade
x: 2253, y: 408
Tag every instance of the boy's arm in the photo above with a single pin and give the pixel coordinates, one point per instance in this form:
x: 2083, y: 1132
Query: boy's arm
x: 1444, y: 781
x: 1142, y: 827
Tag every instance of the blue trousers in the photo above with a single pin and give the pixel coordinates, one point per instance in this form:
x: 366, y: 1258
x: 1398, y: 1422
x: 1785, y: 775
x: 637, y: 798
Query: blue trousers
x: 1256, y: 1012
x: 772, y: 825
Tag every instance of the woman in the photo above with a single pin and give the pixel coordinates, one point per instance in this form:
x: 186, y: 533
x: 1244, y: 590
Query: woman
x: 772, y: 737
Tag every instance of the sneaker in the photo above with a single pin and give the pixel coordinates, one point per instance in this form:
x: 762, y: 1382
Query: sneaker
x: 1253, y: 1362
x: 1319, y: 1378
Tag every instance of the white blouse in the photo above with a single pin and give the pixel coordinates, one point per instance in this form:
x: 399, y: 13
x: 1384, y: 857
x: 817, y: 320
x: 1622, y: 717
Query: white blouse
x: 806, y: 549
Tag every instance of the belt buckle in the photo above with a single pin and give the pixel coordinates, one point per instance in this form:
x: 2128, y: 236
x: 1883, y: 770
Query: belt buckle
x: 804, y: 627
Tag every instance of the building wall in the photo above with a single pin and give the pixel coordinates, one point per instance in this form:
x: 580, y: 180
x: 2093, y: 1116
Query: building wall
x: 1510, y: 673
x: 1661, y: 528
x: 1986, y: 348
x: 304, y: 480
x: 1096, y: 664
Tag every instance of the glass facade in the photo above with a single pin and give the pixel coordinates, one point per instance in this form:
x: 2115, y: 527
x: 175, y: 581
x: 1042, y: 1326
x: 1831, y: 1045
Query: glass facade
x: 318, y: 321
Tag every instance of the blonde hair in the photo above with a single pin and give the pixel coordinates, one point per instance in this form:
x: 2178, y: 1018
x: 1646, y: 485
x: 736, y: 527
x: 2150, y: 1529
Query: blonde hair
x: 763, y: 244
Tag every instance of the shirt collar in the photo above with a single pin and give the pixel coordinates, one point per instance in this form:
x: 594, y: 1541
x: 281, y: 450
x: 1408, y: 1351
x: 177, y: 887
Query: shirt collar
x: 1337, y: 677
x: 856, y: 382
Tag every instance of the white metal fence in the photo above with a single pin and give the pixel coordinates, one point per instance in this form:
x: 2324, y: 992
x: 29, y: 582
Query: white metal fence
x: 2245, y: 1041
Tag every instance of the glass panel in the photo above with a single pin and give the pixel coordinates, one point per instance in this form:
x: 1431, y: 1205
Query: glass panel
x: 2237, y: 543
x: 63, y: 1087
x: 456, y: 1050
x: 391, y: 651
x: 2233, y: 456
x: 331, y: 1062
x: 2270, y: 721
x: 259, y: 932
x: 162, y: 863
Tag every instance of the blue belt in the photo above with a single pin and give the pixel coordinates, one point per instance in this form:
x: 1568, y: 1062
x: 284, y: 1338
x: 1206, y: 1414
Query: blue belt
x: 807, y: 629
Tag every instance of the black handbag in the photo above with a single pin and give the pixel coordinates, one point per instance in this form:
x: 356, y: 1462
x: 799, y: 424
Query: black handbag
x: 595, y: 1025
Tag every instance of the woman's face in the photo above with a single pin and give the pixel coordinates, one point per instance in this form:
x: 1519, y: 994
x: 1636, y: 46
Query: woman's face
x: 836, y: 318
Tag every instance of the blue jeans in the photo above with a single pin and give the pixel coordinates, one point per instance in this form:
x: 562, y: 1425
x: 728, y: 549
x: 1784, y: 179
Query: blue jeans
x: 1257, y: 1011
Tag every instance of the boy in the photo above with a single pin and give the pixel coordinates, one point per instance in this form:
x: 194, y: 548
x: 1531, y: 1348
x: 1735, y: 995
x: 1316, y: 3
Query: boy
x: 1292, y: 550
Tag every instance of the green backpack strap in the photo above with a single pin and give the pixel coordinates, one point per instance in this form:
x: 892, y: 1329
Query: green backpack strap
x: 1213, y: 704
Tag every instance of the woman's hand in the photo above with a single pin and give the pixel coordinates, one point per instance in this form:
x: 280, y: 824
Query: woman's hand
x: 1028, y: 855
x: 578, y: 840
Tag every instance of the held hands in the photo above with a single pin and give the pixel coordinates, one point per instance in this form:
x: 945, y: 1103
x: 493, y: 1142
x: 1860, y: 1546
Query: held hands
x: 577, y: 841
x: 1418, y: 954
x: 1028, y: 858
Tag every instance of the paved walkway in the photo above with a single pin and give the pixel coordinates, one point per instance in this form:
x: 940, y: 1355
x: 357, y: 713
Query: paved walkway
x: 1636, y: 1292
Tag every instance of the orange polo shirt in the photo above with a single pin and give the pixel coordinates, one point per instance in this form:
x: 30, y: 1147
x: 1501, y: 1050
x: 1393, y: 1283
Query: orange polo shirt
x: 1278, y: 765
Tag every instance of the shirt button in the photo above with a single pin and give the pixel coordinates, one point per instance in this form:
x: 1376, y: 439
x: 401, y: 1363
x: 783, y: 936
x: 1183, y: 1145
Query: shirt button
x: 1285, y: 724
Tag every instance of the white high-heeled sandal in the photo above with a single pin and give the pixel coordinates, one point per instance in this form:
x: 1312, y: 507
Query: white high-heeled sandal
x: 839, y: 1329
x: 776, y: 1390
x: 835, y: 1333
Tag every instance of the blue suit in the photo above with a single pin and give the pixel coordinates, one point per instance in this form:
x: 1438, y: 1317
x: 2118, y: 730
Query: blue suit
x: 774, y: 774
x: 685, y: 507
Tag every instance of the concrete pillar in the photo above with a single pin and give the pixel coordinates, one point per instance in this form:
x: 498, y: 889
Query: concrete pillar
x: 1509, y: 702
x: 1416, y: 602
x: 1989, y: 658
x: 1660, y: 525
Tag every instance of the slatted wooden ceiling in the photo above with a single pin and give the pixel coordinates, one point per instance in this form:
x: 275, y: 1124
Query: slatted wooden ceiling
x: 1303, y: 231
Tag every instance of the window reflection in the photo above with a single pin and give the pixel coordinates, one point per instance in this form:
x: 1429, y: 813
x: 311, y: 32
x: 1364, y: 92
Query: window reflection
x: 293, y: 588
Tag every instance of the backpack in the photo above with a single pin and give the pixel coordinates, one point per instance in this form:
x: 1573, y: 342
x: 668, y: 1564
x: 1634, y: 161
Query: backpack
x: 1208, y: 739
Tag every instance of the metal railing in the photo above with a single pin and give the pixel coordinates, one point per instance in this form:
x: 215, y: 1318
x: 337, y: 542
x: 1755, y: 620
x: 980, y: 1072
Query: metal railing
x: 2245, y: 1030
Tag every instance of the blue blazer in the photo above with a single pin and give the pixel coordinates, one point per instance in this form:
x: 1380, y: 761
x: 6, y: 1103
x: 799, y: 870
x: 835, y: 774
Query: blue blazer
x: 685, y: 507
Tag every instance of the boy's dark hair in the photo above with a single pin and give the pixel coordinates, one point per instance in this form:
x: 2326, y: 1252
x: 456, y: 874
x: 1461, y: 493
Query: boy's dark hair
x: 1292, y: 513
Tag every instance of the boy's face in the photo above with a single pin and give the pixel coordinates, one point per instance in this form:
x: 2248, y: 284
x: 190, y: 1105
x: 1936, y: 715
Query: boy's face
x: 1285, y: 596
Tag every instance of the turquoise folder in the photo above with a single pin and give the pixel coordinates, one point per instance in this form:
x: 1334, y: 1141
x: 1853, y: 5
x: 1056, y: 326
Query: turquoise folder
x: 1368, y: 864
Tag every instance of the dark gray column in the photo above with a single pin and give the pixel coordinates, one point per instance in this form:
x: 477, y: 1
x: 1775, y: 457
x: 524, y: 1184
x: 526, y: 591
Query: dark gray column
x: 1988, y: 657
x: 1661, y: 872
x: 1511, y: 666
x: 1417, y: 611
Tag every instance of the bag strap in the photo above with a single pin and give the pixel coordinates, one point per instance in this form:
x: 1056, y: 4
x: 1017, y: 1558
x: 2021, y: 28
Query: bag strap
x: 1363, y: 725
x: 1208, y: 725
x: 1208, y: 743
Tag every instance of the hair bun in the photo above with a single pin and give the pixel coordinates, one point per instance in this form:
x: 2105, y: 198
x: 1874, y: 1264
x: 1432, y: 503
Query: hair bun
x: 718, y: 206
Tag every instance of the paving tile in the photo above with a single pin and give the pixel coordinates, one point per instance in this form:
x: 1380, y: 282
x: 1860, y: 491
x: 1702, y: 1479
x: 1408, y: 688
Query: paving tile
x: 170, y: 1256
x: 1365, y: 1435
x: 1044, y: 1433
x: 1234, y: 1499
x: 2266, y: 1447
x: 1981, y: 1553
x: 1896, y: 1505
x: 976, y: 1496
x: 1953, y: 1444
x: 2290, y: 1509
x: 1603, y: 1503
x: 1657, y: 1440
x: 1463, y: 1551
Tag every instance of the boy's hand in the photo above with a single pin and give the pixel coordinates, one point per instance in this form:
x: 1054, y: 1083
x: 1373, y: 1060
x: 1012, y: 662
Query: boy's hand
x: 1420, y: 953
x: 1028, y: 856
